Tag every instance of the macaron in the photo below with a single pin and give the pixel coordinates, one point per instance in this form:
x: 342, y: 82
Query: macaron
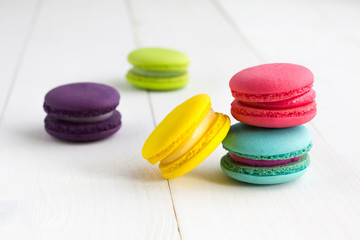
x: 82, y: 111
x: 266, y: 155
x: 158, y: 69
x: 186, y: 136
x: 275, y: 95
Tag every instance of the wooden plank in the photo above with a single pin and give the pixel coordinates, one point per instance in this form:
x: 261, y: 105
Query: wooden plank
x: 323, y: 37
x: 16, y: 22
x: 209, y: 204
x: 99, y: 190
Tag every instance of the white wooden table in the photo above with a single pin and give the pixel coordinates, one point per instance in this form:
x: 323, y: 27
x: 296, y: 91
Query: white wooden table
x: 105, y: 190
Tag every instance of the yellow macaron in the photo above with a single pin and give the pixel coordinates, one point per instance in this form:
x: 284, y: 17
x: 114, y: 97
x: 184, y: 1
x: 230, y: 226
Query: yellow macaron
x: 186, y: 136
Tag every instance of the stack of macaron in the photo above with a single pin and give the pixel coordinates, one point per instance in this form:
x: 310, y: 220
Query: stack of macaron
x: 270, y: 144
x: 158, y: 69
x: 82, y: 111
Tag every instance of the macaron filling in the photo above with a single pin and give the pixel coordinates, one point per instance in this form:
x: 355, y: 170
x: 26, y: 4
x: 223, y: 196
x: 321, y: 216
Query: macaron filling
x: 294, y: 102
x: 92, y: 119
x: 230, y: 165
x: 238, y: 107
x: 262, y: 163
x: 270, y: 97
x: 194, y: 138
x: 156, y: 74
x: 81, y: 113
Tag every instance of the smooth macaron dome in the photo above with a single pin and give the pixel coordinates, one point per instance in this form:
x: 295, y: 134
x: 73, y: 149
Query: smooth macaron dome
x: 266, y: 155
x: 186, y: 136
x: 273, y: 95
x: 158, y: 68
x: 82, y: 111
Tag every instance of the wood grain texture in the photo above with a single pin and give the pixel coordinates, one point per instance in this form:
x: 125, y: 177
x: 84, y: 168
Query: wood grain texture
x: 322, y: 36
x: 101, y: 190
x: 51, y: 189
x: 223, y: 38
x: 16, y: 24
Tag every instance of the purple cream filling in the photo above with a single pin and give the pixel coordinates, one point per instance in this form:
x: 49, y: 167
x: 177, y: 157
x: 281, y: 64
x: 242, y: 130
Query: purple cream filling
x: 262, y: 163
x: 94, y: 119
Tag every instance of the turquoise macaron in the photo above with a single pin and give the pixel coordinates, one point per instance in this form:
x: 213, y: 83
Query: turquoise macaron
x: 266, y: 155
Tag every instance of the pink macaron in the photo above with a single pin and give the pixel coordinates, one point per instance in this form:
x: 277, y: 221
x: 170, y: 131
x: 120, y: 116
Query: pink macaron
x: 273, y: 95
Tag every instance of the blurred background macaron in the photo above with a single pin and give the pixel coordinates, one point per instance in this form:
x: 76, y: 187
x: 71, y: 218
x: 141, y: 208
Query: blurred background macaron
x: 82, y: 111
x: 158, y: 69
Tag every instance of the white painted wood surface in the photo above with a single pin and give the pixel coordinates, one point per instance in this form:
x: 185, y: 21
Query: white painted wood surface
x: 17, y: 18
x: 105, y: 190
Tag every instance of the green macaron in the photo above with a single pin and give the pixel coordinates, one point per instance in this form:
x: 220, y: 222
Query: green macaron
x: 158, y: 69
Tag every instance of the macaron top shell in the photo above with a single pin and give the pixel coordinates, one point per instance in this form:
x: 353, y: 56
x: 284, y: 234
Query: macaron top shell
x: 271, y: 82
x: 267, y: 143
x: 81, y: 100
x: 175, y: 127
x: 158, y: 59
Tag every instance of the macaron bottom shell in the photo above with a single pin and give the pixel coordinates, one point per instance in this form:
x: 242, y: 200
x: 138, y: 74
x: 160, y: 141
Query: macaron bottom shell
x: 82, y: 132
x: 265, y: 175
x: 263, y: 180
x: 83, y: 137
x: 273, y: 118
x: 160, y: 84
x: 274, y: 122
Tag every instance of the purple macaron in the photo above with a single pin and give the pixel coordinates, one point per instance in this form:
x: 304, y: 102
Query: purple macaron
x: 82, y: 111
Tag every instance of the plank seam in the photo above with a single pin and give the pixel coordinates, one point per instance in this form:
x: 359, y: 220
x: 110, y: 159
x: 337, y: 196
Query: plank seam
x: 137, y: 44
x: 23, y: 49
x: 151, y: 107
x: 173, y: 204
x: 236, y: 29
x: 333, y: 152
